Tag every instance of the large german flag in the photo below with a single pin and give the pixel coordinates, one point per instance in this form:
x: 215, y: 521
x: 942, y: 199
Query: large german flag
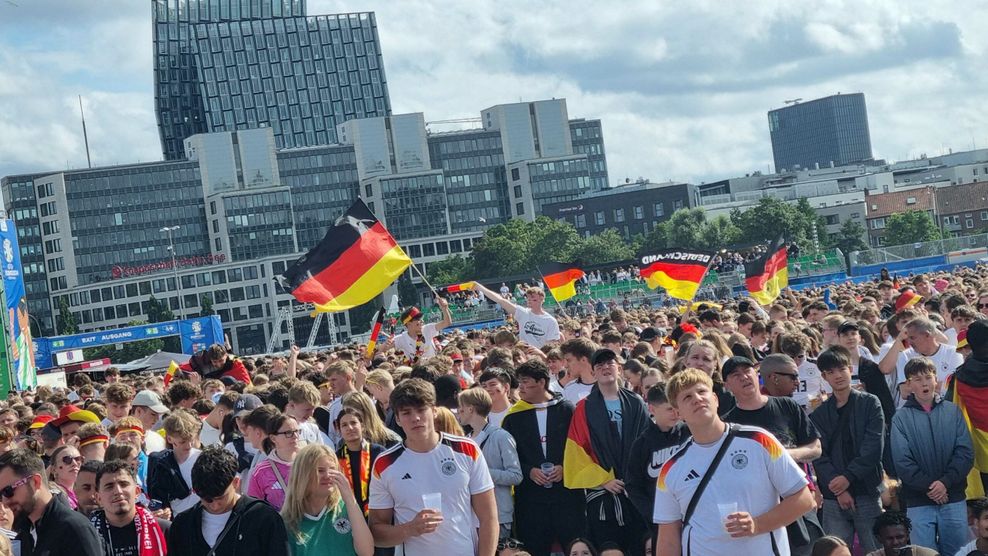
x: 356, y: 261
x: 581, y: 466
x: 767, y: 275
x: 679, y: 271
x: 561, y: 279
x: 973, y: 403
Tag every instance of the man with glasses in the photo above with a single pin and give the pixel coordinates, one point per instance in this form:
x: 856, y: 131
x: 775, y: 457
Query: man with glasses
x: 811, y: 387
x: 224, y: 523
x: 45, y: 524
x: 780, y: 375
x: 780, y: 416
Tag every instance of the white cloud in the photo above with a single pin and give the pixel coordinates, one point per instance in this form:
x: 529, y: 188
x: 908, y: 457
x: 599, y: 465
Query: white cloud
x: 682, y: 88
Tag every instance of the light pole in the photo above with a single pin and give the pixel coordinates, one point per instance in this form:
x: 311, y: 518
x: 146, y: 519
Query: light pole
x: 178, y: 285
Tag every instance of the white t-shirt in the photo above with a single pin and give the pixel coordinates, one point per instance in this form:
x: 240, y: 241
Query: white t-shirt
x: 946, y: 360
x: 212, y: 526
x: 967, y: 549
x: 455, y: 469
x: 185, y: 468
x: 754, y: 473
x: 495, y: 417
x: 209, y: 436
x: 537, y: 330
x: 406, y: 343
x: 576, y: 391
x: 311, y: 433
x: 951, y: 335
x: 811, y: 383
x: 335, y: 407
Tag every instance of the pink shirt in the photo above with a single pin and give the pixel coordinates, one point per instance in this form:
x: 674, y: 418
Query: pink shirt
x: 264, y: 483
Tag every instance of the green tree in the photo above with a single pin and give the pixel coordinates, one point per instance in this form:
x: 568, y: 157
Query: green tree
x: 551, y: 240
x: 407, y: 292
x: 656, y: 239
x: 66, y: 322
x: 850, y: 237
x: 361, y: 317
x: 453, y: 270
x: 206, y: 306
x: 502, y: 251
x: 605, y: 247
x: 719, y: 233
x: 685, y: 228
x: 913, y: 226
x: 773, y: 217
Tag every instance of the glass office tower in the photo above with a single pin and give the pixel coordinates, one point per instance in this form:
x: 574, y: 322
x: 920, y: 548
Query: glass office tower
x: 829, y: 131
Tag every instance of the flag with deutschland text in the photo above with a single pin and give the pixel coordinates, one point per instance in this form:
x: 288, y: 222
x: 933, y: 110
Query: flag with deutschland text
x: 679, y: 271
x: 766, y: 276
x: 356, y: 261
x: 561, y: 279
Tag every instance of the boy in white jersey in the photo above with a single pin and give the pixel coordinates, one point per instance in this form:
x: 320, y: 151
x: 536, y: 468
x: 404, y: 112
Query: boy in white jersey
x: 431, y: 469
x: 739, y: 511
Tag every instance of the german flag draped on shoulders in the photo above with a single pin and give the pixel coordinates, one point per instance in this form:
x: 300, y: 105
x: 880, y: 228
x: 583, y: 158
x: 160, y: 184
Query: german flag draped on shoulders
x: 968, y: 388
x: 595, y: 449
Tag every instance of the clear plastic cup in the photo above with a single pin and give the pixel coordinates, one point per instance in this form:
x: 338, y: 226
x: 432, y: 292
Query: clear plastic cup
x: 433, y: 501
x: 726, y: 509
x: 546, y: 468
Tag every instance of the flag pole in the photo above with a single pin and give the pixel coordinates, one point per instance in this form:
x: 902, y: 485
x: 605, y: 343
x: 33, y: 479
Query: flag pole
x: 424, y: 279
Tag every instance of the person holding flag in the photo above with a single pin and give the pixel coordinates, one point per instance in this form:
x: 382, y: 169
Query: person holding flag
x: 535, y: 326
x: 418, y: 341
x: 561, y: 279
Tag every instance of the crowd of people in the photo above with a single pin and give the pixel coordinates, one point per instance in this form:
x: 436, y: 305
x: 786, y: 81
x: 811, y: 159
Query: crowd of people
x: 850, y: 420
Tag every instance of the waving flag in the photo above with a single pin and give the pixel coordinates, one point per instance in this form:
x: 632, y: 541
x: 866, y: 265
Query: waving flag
x: 465, y: 286
x: 561, y: 279
x: 679, y: 271
x: 173, y: 369
x: 766, y: 276
x: 356, y: 261
x: 375, y: 332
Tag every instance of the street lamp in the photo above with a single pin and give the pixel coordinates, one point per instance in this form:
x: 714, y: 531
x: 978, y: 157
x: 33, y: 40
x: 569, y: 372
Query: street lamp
x: 178, y: 284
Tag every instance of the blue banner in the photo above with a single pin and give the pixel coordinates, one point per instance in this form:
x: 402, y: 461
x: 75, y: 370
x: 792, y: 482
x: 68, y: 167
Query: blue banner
x: 18, y: 324
x: 197, y: 334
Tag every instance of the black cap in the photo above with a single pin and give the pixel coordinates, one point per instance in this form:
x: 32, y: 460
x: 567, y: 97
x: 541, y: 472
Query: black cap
x: 735, y: 363
x: 602, y: 355
x: 650, y: 333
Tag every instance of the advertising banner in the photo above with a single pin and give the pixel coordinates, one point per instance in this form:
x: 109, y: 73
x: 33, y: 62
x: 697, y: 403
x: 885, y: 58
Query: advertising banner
x: 17, y: 327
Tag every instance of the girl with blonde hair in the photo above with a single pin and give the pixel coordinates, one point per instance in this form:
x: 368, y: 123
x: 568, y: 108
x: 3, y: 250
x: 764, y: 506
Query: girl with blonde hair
x: 374, y: 429
x: 320, y: 511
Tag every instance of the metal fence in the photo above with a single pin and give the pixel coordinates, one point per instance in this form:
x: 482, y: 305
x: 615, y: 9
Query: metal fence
x: 917, y: 250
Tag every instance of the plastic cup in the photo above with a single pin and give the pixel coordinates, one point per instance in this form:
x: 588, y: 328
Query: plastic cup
x: 546, y: 468
x: 726, y: 509
x: 433, y: 501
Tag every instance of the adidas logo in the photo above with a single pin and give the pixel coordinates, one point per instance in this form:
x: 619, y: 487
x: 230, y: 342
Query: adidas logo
x: 691, y: 476
x: 407, y: 476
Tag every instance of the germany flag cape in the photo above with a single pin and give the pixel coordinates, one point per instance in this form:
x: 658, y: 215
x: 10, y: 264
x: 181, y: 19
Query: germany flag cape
x: 561, y: 279
x: 356, y: 261
x: 679, y: 271
x: 970, y: 394
x: 581, y: 466
x: 766, y: 276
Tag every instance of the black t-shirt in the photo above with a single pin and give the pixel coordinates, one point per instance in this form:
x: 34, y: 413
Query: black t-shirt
x: 122, y: 541
x: 780, y: 416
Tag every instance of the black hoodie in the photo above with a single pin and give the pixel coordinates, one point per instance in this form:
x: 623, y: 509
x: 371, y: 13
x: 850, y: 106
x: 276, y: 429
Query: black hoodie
x: 254, y: 529
x: 648, y: 453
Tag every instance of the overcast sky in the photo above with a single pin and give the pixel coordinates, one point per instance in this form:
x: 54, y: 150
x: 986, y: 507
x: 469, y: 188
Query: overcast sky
x: 682, y: 88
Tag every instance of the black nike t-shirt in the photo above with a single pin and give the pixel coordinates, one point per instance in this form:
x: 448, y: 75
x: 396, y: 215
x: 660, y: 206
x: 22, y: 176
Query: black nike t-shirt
x: 782, y: 417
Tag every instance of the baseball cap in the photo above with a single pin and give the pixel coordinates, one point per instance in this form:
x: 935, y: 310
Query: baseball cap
x: 245, y: 404
x: 40, y: 421
x: 848, y: 326
x: 602, y: 355
x: 736, y: 363
x: 151, y: 400
x: 73, y: 413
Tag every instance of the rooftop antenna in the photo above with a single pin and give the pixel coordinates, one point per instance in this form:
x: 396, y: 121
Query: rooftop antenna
x: 793, y: 101
x: 85, y: 136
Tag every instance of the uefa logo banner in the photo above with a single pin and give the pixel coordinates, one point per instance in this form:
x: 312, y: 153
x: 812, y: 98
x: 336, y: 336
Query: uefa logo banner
x: 17, y: 326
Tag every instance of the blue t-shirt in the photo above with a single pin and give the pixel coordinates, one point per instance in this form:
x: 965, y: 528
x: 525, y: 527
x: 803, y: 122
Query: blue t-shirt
x: 614, y: 412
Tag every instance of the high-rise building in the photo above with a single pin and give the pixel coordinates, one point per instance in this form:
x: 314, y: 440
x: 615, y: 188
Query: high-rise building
x: 232, y: 64
x: 825, y: 132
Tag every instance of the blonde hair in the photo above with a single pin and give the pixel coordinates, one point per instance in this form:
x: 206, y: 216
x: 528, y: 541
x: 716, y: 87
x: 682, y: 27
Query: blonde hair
x: 379, y: 378
x: 304, y: 391
x: 478, y: 399
x: 446, y: 421
x: 374, y: 429
x: 182, y: 425
x: 683, y: 380
x: 303, y: 475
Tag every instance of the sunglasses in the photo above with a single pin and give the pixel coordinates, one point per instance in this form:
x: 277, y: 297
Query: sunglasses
x: 790, y: 375
x: 8, y: 491
x: 290, y: 434
x: 67, y: 460
x: 982, y: 305
x: 509, y: 543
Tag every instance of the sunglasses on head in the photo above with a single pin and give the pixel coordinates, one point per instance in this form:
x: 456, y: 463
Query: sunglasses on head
x: 8, y: 491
